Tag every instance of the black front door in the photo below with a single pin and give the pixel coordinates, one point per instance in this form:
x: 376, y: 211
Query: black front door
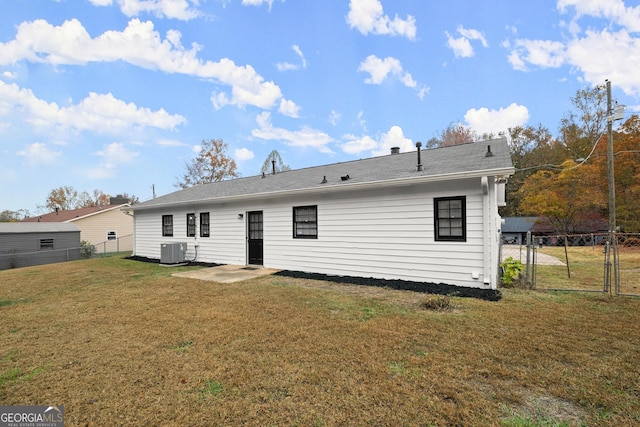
x: 254, y: 225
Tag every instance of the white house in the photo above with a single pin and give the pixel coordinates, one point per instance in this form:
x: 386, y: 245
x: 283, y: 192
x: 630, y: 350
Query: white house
x: 425, y: 216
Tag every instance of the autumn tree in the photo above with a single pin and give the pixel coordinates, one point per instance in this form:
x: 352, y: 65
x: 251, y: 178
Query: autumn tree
x: 568, y: 198
x: 63, y: 198
x: 13, y: 216
x: 586, y: 123
x: 626, y: 143
x: 531, y: 149
x: 627, y: 174
x: 68, y: 198
x: 273, y: 161
x: 454, y: 134
x: 211, y: 164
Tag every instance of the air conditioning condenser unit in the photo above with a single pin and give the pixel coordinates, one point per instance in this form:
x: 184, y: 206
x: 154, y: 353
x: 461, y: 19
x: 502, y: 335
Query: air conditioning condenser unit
x: 172, y: 253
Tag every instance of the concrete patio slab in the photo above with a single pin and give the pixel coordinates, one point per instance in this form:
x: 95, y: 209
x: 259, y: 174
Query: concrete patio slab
x: 227, y: 273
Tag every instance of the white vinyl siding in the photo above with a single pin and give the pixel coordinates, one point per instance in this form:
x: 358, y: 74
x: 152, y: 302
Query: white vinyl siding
x: 382, y: 233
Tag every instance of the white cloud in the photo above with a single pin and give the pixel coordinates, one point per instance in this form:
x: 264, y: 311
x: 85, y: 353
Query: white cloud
x: 241, y: 154
x: 176, y: 9
x: 367, y: 16
x: 380, y: 69
x: 38, y: 154
x: 140, y: 45
x: 116, y: 153
x: 461, y: 46
x: 618, y: 59
x: 393, y: 138
x: 611, y: 53
x: 171, y: 143
x: 287, y: 66
x: 257, y: 3
x: 541, y: 53
x: 485, y: 121
x: 615, y: 10
x: 113, y: 155
x: 334, y: 117
x: 288, y: 108
x: 305, y: 137
x: 97, y: 113
x: 358, y: 144
x: 9, y: 75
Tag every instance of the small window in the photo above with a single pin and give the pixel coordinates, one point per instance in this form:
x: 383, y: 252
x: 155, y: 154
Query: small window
x: 112, y: 235
x: 450, y: 219
x: 204, y: 224
x: 46, y: 244
x: 191, y: 225
x: 167, y: 225
x: 305, y: 222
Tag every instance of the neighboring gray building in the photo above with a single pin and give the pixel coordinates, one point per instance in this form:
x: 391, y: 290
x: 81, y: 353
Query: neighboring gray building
x: 515, y: 229
x: 426, y: 216
x: 23, y: 244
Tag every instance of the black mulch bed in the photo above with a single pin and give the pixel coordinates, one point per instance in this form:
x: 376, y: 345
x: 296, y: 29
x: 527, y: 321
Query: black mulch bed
x: 403, y: 285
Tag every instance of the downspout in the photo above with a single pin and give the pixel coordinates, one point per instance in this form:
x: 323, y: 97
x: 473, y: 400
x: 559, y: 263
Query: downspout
x: 488, y: 255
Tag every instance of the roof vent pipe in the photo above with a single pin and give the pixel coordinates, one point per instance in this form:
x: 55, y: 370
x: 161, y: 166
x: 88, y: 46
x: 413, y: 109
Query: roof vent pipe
x: 488, y: 153
x: 273, y: 167
x: 395, y: 150
x: 418, y: 146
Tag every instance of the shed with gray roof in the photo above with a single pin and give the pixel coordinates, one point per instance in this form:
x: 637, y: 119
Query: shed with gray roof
x: 427, y: 216
x: 23, y: 244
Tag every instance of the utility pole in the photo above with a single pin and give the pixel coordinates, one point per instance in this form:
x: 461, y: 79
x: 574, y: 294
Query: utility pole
x: 613, y: 246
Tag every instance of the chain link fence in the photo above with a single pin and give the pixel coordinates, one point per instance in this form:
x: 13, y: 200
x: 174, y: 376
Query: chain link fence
x: 579, y: 262
x: 14, y: 259
x: 114, y: 246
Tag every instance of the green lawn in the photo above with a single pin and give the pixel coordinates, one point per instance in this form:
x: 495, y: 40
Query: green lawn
x: 120, y: 342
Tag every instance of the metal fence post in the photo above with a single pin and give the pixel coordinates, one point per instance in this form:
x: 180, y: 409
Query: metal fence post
x: 527, y: 276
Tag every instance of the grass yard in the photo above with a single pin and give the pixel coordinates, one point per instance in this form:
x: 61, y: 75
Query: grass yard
x: 586, y: 268
x: 120, y: 342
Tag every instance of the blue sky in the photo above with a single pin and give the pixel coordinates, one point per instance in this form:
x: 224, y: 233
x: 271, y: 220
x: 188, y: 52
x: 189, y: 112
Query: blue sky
x: 117, y: 95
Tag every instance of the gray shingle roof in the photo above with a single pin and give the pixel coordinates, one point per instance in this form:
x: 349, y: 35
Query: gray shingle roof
x: 518, y: 224
x: 37, y: 227
x: 438, y: 164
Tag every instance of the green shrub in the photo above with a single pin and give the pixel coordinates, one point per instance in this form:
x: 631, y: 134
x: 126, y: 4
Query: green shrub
x: 87, y: 250
x: 511, y: 269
